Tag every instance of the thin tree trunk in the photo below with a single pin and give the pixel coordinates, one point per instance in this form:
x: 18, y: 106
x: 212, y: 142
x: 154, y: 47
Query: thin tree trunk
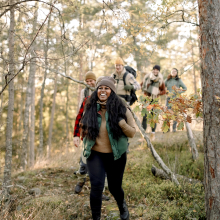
x: 67, y: 128
x: 32, y: 128
x: 28, y: 98
x: 21, y: 109
x: 52, y: 118
x: 210, y: 71
x: 33, y: 70
x: 41, y: 133
x: 9, y: 128
x: 194, y: 69
x: 192, y: 143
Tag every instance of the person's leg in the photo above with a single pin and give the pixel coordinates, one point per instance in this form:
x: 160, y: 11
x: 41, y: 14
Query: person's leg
x: 97, y: 179
x: 115, y: 170
x: 82, y: 173
x: 168, y: 107
x: 144, y: 122
x: 174, y: 126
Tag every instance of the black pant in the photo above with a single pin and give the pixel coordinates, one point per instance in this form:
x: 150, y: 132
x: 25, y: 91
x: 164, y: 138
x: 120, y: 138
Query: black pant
x: 99, y: 164
x: 144, y: 123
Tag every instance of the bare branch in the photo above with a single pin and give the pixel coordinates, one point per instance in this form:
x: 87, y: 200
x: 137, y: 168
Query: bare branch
x: 24, y: 60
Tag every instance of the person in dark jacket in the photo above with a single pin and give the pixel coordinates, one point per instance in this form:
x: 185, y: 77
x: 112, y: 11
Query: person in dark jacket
x: 106, y: 125
x: 174, y: 80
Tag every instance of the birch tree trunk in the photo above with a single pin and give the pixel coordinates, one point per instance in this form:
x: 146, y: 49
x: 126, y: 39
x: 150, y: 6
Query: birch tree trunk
x: 210, y: 71
x: 41, y: 133
x: 52, y: 118
x: 9, y: 128
x: 28, y: 98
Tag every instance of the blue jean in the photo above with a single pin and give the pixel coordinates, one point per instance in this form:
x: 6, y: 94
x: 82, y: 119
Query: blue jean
x: 169, y: 107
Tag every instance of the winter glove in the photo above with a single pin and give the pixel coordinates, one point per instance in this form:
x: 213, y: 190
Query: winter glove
x: 128, y: 87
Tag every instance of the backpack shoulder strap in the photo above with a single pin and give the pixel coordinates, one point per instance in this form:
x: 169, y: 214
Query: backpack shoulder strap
x: 124, y: 77
x: 86, y: 92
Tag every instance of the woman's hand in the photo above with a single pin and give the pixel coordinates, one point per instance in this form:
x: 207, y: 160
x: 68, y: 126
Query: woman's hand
x: 76, y: 141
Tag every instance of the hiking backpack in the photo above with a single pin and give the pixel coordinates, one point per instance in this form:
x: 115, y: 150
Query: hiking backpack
x: 132, y: 97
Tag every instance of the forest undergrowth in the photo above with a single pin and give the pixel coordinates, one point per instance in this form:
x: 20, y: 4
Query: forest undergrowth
x: 47, y: 192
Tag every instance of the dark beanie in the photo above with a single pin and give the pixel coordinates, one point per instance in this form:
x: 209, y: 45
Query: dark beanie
x: 156, y: 67
x: 107, y: 81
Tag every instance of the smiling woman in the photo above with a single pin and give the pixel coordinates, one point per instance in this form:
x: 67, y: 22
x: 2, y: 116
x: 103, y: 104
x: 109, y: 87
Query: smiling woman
x: 106, y: 125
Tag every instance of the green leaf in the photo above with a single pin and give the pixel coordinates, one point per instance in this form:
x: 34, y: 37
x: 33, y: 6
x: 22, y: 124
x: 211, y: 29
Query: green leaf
x: 137, y: 108
x: 165, y: 127
x: 144, y: 111
x: 180, y: 126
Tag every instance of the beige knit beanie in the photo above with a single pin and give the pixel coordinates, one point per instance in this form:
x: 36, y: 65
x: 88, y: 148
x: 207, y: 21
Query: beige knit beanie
x: 119, y: 61
x: 90, y: 75
x: 107, y: 81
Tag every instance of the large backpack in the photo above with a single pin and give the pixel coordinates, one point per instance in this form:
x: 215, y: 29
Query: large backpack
x: 133, y: 98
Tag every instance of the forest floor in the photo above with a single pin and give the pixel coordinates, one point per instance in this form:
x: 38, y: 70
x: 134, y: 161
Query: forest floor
x: 147, y: 197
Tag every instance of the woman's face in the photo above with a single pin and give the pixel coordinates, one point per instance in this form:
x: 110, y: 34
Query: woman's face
x: 103, y: 93
x: 173, y: 72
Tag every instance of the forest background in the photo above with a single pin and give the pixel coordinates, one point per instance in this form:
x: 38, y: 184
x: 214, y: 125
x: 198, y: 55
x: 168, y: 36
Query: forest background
x: 72, y: 37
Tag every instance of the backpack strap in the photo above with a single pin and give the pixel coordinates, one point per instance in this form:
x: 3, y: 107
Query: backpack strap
x: 86, y: 92
x: 124, y: 77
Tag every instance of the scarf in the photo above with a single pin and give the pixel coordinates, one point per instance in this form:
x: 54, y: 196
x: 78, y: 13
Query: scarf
x: 102, y: 103
x: 152, y: 84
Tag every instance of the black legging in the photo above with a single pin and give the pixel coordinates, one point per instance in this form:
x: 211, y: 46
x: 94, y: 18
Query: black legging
x: 99, y: 164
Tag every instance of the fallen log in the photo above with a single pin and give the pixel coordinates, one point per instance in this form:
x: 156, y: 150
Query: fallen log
x: 162, y: 175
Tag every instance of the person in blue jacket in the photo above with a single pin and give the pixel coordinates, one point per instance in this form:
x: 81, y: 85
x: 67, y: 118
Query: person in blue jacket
x: 174, y: 80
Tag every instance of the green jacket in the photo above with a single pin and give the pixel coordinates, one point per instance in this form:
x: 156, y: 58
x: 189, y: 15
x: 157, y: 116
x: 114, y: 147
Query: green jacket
x: 173, y: 82
x: 118, y: 146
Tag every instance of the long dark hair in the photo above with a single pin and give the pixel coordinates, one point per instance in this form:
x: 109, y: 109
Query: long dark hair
x: 116, y: 109
x: 177, y: 76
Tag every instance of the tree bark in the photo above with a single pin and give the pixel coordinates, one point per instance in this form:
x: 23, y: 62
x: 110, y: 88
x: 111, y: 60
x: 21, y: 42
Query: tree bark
x: 33, y: 69
x: 9, y: 128
x: 32, y: 128
x: 210, y: 71
x: 41, y: 133
x: 29, y: 97
x: 52, y: 118
x: 191, y: 140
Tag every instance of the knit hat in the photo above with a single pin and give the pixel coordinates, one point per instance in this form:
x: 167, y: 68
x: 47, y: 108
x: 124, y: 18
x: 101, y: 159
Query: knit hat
x: 156, y: 67
x: 90, y: 75
x: 107, y: 81
x: 119, y: 61
x: 98, y: 80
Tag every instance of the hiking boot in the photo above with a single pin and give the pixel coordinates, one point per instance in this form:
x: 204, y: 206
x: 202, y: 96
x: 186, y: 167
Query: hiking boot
x: 124, y: 213
x: 104, y: 197
x: 79, y: 186
x: 96, y: 216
